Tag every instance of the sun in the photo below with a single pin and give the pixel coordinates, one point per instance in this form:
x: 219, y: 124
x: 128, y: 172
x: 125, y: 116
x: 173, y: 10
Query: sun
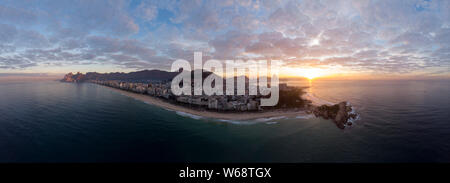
x: 311, y: 73
x: 306, y: 72
x: 314, y: 42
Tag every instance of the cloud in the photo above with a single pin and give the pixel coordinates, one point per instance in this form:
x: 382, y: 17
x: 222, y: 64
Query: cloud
x: 231, y: 44
x: 401, y: 36
x: 147, y: 11
x: 7, y: 33
x: 15, y: 62
x: 195, y: 16
x: 104, y: 45
x: 288, y: 19
x: 15, y: 15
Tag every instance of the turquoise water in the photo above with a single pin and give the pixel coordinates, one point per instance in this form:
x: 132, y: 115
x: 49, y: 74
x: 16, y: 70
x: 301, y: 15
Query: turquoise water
x: 401, y: 121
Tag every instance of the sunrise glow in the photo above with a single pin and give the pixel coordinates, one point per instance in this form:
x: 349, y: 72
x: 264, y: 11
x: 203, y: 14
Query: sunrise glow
x: 307, y: 72
x: 311, y: 73
x: 314, y: 42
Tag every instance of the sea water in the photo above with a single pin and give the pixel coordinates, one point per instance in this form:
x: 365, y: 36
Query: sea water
x: 400, y: 121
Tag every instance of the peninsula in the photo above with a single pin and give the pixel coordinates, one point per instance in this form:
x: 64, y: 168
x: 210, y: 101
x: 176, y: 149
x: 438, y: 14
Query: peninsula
x: 153, y: 87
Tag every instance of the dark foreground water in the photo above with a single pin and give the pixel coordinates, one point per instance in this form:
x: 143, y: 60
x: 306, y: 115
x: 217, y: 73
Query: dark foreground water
x: 401, y: 121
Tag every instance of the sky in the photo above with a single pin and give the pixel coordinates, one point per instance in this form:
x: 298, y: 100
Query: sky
x: 327, y: 38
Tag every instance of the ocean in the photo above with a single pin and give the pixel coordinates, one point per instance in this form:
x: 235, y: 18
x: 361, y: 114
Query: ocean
x: 50, y: 121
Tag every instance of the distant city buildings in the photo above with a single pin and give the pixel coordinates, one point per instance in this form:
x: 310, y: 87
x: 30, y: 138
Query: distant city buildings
x: 215, y: 102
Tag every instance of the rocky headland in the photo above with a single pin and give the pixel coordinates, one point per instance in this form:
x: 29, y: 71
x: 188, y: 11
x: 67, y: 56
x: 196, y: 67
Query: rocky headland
x: 342, y: 114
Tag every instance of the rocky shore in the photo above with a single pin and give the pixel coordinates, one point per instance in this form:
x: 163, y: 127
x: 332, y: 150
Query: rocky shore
x: 341, y: 114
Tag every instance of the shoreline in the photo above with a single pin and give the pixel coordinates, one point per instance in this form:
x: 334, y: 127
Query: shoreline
x: 210, y: 114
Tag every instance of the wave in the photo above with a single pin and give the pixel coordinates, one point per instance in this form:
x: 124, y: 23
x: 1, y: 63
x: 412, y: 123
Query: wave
x: 271, y: 123
x: 270, y: 119
x: 352, y: 112
x: 253, y: 122
x: 236, y: 122
x: 188, y: 115
x: 307, y: 116
x: 169, y: 109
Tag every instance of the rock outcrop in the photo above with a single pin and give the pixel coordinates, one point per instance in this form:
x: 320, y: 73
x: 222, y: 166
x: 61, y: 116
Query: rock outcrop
x: 74, y: 78
x: 342, y: 114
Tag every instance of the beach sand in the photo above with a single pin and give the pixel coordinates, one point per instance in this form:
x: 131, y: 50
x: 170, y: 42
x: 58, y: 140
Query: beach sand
x: 210, y: 114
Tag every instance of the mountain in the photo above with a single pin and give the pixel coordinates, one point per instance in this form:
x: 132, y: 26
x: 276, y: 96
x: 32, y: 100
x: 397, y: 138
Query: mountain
x: 139, y: 76
x: 74, y: 78
x: 145, y: 75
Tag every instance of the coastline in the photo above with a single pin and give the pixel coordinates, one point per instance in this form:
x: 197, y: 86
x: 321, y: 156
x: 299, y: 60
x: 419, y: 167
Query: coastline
x: 241, y: 116
x: 316, y: 101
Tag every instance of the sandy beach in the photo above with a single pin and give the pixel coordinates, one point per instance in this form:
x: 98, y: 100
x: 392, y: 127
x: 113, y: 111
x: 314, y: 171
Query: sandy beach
x: 210, y: 114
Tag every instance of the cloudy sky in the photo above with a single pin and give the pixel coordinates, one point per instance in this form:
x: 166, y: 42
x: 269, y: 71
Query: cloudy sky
x: 370, y: 38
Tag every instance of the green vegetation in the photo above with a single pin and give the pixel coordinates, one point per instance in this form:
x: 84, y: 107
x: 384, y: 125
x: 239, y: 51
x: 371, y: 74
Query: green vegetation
x: 291, y: 98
